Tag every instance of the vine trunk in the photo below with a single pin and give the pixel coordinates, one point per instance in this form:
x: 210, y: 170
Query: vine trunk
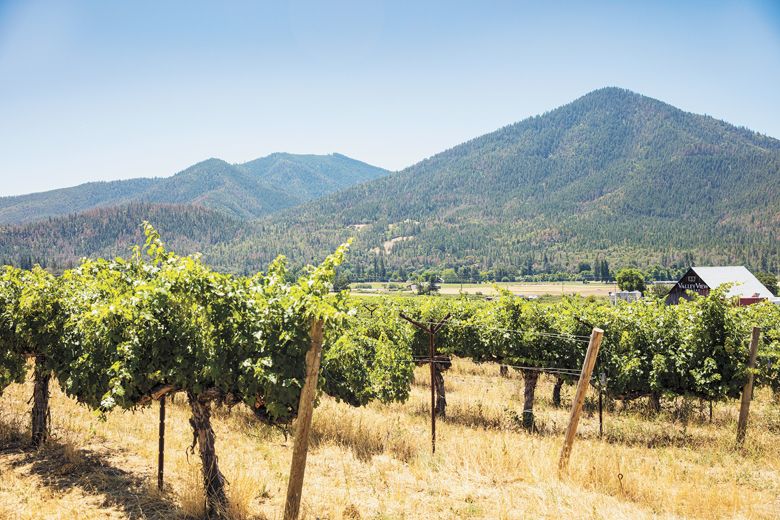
x: 203, y: 436
x: 40, y: 410
x: 438, y: 383
x: 530, y: 377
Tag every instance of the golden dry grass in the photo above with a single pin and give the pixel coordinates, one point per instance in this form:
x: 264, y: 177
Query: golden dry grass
x: 375, y: 462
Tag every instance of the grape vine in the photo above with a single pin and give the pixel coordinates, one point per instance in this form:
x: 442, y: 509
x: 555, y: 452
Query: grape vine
x: 122, y: 333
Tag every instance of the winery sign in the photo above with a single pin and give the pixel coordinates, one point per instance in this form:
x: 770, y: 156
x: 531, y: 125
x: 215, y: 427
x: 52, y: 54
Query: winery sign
x: 701, y: 280
x: 689, y: 282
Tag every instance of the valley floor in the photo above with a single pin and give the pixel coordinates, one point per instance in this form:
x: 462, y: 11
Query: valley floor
x: 375, y: 462
x: 596, y: 289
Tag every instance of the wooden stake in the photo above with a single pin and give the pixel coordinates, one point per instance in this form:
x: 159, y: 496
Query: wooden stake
x: 303, y: 424
x: 747, y: 390
x: 431, y: 352
x: 602, y: 384
x: 579, y: 398
x: 161, y: 446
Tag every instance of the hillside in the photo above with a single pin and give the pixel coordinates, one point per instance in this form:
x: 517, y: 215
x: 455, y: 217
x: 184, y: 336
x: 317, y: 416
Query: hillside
x: 246, y: 190
x: 613, y: 175
x: 58, y: 243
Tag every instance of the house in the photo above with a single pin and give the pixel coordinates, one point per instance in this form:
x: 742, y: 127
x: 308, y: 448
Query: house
x: 702, y: 280
x: 626, y: 296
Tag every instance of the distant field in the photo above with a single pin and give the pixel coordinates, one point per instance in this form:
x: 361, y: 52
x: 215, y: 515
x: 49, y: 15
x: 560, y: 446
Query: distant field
x: 518, y: 288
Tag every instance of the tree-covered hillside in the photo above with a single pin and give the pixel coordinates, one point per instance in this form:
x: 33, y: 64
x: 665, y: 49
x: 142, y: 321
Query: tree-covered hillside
x: 613, y: 174
x: 58, y: 243
x: 612, y: 178
x: 246, y: 190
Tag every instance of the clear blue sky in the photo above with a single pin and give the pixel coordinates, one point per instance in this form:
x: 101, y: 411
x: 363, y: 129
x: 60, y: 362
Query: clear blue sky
x: 109, y: 90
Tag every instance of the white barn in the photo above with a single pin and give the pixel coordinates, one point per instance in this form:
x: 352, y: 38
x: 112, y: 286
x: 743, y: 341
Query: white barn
x: 703, y: 279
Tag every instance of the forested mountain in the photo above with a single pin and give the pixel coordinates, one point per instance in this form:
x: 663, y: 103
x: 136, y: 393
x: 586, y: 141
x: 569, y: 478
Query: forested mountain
x: 246, y: 190
x: 613, y: 175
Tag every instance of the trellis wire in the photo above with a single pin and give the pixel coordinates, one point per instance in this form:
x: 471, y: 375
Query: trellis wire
x: 576, y: 337
x: 550, y: 370
x: 573, y: 337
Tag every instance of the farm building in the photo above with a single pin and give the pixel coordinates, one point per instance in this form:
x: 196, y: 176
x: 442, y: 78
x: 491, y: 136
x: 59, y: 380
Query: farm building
x: 702, y: 280
x: 626, y: 296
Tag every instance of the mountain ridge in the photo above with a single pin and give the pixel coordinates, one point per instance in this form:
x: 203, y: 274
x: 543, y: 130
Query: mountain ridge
x: 237, y: 189
x: 612, y: 175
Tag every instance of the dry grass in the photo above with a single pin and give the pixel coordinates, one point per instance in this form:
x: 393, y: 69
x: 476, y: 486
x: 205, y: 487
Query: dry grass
x: 375, y: 462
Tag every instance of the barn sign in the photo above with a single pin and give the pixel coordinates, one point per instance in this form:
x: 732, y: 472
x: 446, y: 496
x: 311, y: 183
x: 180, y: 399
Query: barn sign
x: 701, y: 280
x: 689, y: 282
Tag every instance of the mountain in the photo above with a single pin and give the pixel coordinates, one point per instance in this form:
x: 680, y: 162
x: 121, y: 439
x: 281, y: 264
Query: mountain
x: 613, y: 175
x: 248, y: 190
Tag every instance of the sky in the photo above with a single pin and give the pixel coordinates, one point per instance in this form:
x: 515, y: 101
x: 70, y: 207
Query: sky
x: 96, y: 90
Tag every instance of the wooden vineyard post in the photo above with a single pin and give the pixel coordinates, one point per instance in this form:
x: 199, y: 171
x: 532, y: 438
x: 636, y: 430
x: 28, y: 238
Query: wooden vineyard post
x: 161, y: 446
x: 602, y: 384
x: 431, y: 330
x: 431, y: 351
x: 579, y: 397
x: 303, y: 424
x: 601, y: 412
x: 747, y: 390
